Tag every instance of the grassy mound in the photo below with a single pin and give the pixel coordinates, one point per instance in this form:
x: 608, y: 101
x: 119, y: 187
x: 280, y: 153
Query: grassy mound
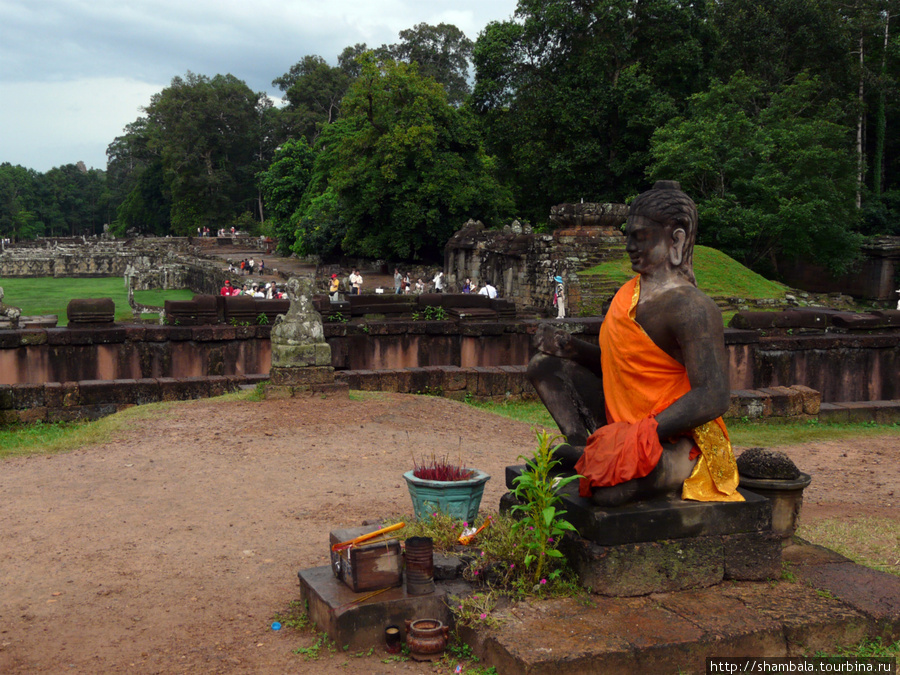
x: 717, y: 275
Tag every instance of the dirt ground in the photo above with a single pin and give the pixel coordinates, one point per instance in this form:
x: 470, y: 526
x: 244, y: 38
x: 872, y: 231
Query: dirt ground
x: 170, y: 549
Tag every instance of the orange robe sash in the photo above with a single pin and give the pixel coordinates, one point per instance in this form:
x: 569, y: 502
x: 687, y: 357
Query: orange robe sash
x: 639, y: 381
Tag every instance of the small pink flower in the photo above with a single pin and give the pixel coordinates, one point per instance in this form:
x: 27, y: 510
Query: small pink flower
x: 434, y: 514
x: 476, y: 573
x: 460, y: 606
x: 531, y: 527
x: 465, y: 524
x: 482, y: 554
x: 512, y: 566
x: 543, y: 581
x: 483, y: 616
x: 550, y: 540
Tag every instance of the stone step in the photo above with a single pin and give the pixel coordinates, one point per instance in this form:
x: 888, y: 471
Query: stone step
x: 833, y: 603
x: 879, y: 412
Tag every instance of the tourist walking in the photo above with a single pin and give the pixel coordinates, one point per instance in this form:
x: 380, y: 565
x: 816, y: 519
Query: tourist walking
x: 439, y: 282
x: 398, y: 281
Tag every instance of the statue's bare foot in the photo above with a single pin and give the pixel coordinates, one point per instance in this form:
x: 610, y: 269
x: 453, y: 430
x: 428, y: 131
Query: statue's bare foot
x: 567, y: 455
x: 616, y: 495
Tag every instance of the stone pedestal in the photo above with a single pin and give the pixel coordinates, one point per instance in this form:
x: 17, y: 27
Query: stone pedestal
x: 301, y: 358
x: 357, y: 621
x: 665, y: 545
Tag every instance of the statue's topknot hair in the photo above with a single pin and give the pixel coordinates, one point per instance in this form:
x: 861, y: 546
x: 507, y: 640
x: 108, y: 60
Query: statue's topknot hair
x: 668, y: 206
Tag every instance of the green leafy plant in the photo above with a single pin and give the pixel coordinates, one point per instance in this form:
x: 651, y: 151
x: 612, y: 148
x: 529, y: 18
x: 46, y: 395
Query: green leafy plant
x: 295, y: 617
x: 314, y: 651
x: 476, y: 610
x: 542, y: 523
x: 435, y: 313
x: 338, y: 317
x: 262, y: 319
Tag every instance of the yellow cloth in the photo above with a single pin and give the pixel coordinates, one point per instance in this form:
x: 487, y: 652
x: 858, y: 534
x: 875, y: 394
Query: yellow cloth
x: 641, y: 380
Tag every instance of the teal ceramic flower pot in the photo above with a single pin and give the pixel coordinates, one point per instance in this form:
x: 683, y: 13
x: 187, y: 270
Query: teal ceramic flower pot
x: 458, y: 499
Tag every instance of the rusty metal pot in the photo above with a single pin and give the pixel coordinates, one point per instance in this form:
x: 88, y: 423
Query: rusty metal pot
x: 426, y: 638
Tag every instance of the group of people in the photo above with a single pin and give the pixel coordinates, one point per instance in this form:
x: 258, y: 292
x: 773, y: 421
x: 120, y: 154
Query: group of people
x: 268, y: 292
x: 222, y: 232
x: 487, y: 289
x: 403, y: 284
x: 247, y: 266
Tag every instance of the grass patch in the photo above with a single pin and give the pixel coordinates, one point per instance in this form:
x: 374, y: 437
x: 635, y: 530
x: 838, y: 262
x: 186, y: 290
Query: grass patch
x: 41, y: 438
x: 748, y: 434
x: 50, y: 295
x: 717, y: 274
x: 531, y: 412
x: 870, y: 541
x: 744, y: 434
x: 871, y: 648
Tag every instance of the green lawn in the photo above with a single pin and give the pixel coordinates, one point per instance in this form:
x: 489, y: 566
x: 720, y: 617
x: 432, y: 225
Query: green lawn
x: 717, y: 276
x: 48, y: 295
x: 743, y: 434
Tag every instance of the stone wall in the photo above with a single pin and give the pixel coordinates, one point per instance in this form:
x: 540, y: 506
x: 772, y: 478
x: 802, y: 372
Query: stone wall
x: 522, y: 263
x: 876, y: 276
x: 860, y: 366
x: 93, y: 399
x: 125, y: 352
x: 172, y: 262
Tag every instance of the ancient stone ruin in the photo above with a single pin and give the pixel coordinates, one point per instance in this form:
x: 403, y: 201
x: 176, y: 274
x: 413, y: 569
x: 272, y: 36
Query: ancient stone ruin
x: 522, y: 263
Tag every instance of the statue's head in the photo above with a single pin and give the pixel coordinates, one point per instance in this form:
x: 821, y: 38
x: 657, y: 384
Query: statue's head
x: 670, y: 208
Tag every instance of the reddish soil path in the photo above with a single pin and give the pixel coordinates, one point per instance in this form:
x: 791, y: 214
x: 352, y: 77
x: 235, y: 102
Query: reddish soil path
x: 169, y: 549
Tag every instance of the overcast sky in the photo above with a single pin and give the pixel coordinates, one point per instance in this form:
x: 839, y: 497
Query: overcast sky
x: 73, y: 73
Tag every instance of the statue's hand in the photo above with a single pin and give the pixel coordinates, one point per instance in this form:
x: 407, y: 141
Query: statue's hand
x: 555, y: 342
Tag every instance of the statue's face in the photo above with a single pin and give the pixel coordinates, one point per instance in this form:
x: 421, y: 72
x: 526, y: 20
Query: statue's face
x: 647, y: 243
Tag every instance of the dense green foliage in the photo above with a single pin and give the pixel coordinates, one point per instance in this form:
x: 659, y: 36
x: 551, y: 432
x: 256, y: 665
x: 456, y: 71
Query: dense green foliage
x: 773, y: 175
x: 776, y: 115
x: 398, y: 172
x: 65, y: 201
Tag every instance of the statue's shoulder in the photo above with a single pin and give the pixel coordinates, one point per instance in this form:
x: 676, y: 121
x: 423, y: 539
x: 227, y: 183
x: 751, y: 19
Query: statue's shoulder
x: 689, y: 301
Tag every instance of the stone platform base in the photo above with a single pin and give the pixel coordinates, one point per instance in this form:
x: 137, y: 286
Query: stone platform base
x: 673, y: 564
x: 359, y: 624
x: 302, y: 376
x: 665, y: 544
x: 279, y: 391
x: 830, y: 603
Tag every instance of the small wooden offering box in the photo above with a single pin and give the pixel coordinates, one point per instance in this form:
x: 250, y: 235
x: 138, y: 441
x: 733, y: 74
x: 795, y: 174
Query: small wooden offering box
x: 366, y: 567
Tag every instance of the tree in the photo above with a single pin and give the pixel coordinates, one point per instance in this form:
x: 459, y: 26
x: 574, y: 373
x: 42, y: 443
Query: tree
x: 443, y: 52
x: 399, y: 171
x: 137, y: 190
x: 773, y: 174
x: 283, y: 185
x: 313, y: 90
x: 206, y: 133
x: 570, y: 93
x: 18, y: 203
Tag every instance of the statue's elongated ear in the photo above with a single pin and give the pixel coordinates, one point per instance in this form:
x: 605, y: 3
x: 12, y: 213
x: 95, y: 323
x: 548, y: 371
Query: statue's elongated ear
x: 676, y: 249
